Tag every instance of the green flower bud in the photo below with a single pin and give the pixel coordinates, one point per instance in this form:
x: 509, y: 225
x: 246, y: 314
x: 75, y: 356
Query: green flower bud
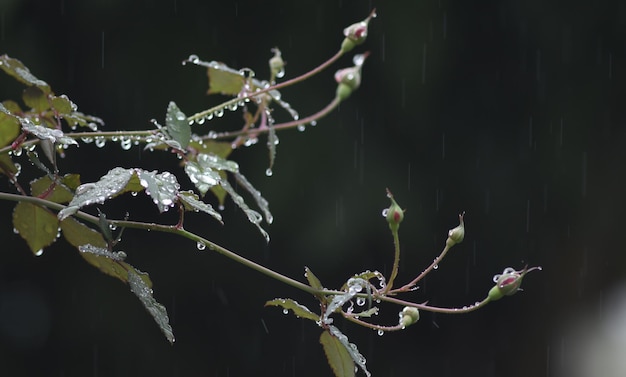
x: 457, y: 234
x: 394, y: 214
x: 350, y: 77
x: 343, y: 91
x: 277, y: 65
x: 508, y: 283
x: 356, y: 33
x: 408, y: 316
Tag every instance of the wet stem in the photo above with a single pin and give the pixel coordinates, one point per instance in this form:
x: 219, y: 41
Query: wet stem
x: 180, y: 231
x: 396, y: 261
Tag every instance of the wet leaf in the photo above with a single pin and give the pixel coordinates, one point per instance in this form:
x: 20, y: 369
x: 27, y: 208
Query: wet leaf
x: 44, y: 133
x: 256, y: 194
x: 10, y: 107
x: 78, y: 234
x: 253, y: 216
x: 9, y: 127
x: 177, y: 126
x: 15, y: 68
x: 224, y: 80
x: 221, y: 149
x: 59, y: 193
x: 36, y: 225
x: 314, y: 282
x: 101, y: 251
x: 158, y: 311
x: 109, y: 186
x: 36, y: 99
x: 162, y: 188
x: 7, y: 167
x: 203, y: 176
x: 192, y: 202
x: 299, y: 310
x: 351, y: 348
x: 63, y: 105
x: 337, y: 355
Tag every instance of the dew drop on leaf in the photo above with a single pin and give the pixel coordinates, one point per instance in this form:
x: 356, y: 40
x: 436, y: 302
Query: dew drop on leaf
x: 39, y: 253
x: 269, y: 172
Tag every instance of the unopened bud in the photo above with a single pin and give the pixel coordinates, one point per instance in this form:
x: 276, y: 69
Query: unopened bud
x: 356, y: 33
x: 408, y: 316
x: 457, y: 234
x: 394, y: 214
x: 349, y: 79
x: 508, y: 283
x: 277, y: 65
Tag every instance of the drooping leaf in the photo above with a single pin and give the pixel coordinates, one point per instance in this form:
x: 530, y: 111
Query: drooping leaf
x: 78, y: 234
x: 16, y: 69
x: 36, y: 225
x: 299, y: 310
x: 76, y: 118
x: 351, y: 348
x: 337, y: 355
x: 44, y: 133
x: 101, y: 251
x: 272, y: 142
x: 177, y: 126
x: 58, y: 193
x: 224, y: 80
x: 109, y: 186
x: 192, y: 202
x: 354, y: 287
x: 162, y: 188
x: 158, y: 311
x: 256, y: 194
x: 36, y: 99
x: 253, y: 216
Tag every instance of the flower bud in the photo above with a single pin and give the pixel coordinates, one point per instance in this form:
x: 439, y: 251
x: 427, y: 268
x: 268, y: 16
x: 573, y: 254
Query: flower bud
x: 277, y: 65
x: 356, y: 33
x: 408, y: 316
x: 394, y: 214
x: 508, y: 283
x: 349, y: 79
x: 457, y: 234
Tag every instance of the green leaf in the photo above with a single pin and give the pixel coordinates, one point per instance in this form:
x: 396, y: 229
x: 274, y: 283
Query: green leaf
x: 101, y: 251
x: 177, y: 126
x: 337, y: 355
x: 63, y: 105
x: 15, y: 68
x: 253, y: 216
x: 314, y: 282
x: 158, y: 311
x: 256, y: 194
x: 44, y: 133
x: 162, y: 188
x: 351, y: 348
x: 9, y: 127
x: 36, y: 99
x: 203, y: 176
x: 224, y: 80
x: 109, y: 186
x: 59, y: 193
x: 11, y: 107
x: 36, y: 225
x: 7, y: 167
x: 299, y: 310
x: 192, y: 202
x: 78, y: 234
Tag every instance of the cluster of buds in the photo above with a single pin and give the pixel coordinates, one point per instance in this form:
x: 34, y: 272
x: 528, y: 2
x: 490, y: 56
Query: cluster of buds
x: 508, y: 283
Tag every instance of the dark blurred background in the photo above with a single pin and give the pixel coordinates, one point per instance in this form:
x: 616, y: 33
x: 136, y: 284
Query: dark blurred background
x: 512, y: 111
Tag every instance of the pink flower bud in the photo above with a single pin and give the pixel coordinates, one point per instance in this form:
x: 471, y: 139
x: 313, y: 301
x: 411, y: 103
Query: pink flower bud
x: 509, y: 282
x: 356, y: 33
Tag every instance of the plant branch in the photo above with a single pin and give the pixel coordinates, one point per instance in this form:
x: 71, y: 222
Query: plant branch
x: 407, y: 287
x: 396, y: 261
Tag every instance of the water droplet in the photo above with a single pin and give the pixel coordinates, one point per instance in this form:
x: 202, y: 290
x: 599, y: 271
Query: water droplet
x: 313, y: 123
x: 112, y: 226
x: 201, y: 121
x: 219, y: 113
x: 200, y: 245
x: 39, y: 253
x: 180, y: 115
x: 436, y: 266
x: 17, y: 152
x: 100, y: 141
x: 301, y: 127
x: 126, y: 143
x: 385, y: 212
x: 133, y: 193
x: 269, y: 172
x: 380, y: 332
x: 285, y: 311
x: 192, y: 59
x: 16, y: 231
x: 360, y: 301
x: 87, y: 140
